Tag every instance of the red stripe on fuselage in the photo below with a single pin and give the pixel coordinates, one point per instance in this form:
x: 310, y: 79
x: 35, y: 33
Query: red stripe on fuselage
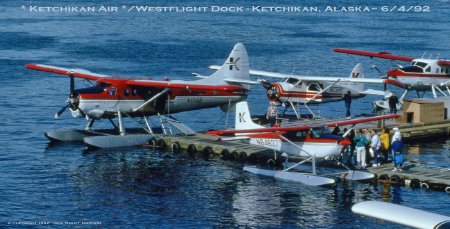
x: 175, y: 90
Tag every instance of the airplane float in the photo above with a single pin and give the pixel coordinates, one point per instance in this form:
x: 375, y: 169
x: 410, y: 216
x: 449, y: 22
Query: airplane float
x: 113, y: 97
x: 423, y: 74
x: 298, y: 89
x: 309, y: 141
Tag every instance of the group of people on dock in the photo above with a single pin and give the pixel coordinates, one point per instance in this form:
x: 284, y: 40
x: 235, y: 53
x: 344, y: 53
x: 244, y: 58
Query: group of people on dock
x: 368, y: 148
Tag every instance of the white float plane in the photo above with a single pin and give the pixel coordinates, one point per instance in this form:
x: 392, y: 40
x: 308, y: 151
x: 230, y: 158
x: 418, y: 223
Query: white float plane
x: 423, y: 74
x: 310, y: 141
x: 298, y: 89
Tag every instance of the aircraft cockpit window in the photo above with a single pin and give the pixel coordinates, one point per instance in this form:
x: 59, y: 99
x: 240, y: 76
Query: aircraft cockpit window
x: 112, y: 91
x: 292, y: 81
x: 301, y: 134
x: 316, y: 132
x: 428, y: 69
x: 420, y: 64
x: 412, y: 69
x: 314, y: 87
x: 103, y: 85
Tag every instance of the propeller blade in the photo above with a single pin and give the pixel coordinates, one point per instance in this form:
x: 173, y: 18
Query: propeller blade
x: 266, y: 84
x: 61, y: 111
x: 72, y: 84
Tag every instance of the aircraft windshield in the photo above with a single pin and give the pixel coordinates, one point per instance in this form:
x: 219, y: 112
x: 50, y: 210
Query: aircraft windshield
x: 412, y: 69
x: 316, y: 132
x: 291, y: 80
x: 420, y: 64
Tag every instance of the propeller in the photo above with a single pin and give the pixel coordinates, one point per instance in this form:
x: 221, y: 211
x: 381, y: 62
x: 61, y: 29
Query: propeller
x: 72, y: 101
x: 271, y: 91
x: 382, y: 76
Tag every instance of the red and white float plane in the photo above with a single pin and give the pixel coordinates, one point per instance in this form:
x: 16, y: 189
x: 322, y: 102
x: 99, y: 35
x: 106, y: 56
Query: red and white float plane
x: 423, y: 74
x: 310, y: 141
x: 299, y: 89
x: 113, y: 97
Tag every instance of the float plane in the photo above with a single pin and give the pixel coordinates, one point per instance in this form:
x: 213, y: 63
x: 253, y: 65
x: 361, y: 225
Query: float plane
x: 309, y: 141
x: 299, y: 89
x: 421, y: 75
x: 114, y: 97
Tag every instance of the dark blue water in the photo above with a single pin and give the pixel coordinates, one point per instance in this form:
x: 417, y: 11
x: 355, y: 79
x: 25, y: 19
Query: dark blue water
x: 140, y: 187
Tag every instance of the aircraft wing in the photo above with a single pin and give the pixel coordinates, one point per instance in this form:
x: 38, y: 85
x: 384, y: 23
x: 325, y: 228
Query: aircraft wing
x: 182, y: 85
x: 383, y: 55
x: 80, y: 73
x: 259, y: 130
x: 401, y: 214
x: 361, y: 120
x: 303, y: 127
x: 443, y: 62
x: 372, y: 92
x: 311, y: 78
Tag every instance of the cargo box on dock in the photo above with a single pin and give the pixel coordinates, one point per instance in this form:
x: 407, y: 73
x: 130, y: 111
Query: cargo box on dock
x: 422, y: 110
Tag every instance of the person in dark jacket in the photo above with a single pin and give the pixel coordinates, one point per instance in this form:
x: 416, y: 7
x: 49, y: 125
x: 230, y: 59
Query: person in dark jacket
x: 348, y: 103
x: 393, y: 101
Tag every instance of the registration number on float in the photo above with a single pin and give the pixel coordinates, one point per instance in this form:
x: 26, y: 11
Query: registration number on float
x: 269, y: 143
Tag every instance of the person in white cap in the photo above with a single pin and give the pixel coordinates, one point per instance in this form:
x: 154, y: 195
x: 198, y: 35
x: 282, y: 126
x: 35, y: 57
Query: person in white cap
x: 396, y: 135
x: 397, y: 148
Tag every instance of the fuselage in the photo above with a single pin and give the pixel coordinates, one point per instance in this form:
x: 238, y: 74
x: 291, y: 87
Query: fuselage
x: 421, y: 74
x: 315, y: 142
x: 111, y: 95
x: 293, y: 90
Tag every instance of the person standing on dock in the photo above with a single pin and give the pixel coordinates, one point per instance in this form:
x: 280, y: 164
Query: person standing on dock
x: 272, y: 114
x: 385, y: 144
x: 375, y: 145
x: 348, y: 102
x: 393, y: 101
x: 361, y: 142
x: 397, y: 148
x: 397, y: 135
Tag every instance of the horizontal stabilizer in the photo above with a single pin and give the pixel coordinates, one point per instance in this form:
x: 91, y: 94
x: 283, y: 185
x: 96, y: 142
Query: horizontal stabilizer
x: 372, y: 92
x: 241, y: 81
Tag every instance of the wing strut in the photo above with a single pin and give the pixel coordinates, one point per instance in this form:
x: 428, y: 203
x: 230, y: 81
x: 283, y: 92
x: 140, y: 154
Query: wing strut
x: 151, y: 100
x: 311, y: 157
x: 319, y: 93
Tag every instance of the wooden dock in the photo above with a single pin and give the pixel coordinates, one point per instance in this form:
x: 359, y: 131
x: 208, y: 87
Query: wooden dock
x: 409, y: 131
x: 414, y: 175
x: 208, y: 145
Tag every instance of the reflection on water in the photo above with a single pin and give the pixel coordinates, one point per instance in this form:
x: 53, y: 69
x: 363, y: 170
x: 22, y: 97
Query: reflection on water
x: 160, y: 187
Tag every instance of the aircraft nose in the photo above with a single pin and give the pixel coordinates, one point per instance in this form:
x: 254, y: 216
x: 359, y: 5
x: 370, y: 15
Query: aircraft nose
x: 273, y: 92
x: 393, y: 73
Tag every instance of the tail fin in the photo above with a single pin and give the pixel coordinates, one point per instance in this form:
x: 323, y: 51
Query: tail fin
x: 357, y: 72
x: 243, y: 121
x: 235, y: 70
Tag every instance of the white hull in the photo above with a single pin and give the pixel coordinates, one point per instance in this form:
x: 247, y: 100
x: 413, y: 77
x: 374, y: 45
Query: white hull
x: 303, y: 178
